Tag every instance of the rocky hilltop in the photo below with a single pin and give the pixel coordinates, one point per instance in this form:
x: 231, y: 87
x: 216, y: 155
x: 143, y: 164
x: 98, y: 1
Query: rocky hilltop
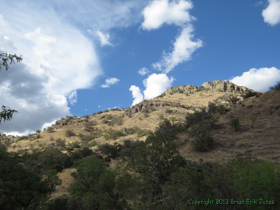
x: 217, y: 85
x: 220, y: 90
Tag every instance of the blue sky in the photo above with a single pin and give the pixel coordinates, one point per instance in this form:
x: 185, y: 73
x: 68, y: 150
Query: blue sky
x: 81, y: 57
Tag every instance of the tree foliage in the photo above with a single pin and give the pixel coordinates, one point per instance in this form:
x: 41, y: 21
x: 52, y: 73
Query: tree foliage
x: 5, y: 60
x: 6, y: 113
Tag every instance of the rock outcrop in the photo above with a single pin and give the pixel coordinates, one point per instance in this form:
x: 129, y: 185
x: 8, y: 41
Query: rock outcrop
x: 222, y: 86
x: 217, y: 85
x: 148, y: 106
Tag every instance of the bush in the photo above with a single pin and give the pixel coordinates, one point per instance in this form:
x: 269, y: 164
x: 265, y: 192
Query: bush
x: 251, y: 94
x: 235, y: 123
x: 75, y: 144
x: 202, y: 143
x: 69, y: 133
x: 173, y: 118
x: 60, y: 143
x: 86, y: 137
x: 50, y: 129
x: 110, y: 150
x: 81, y: 153
x: 200, y: 122
x: 128, y: 148
x: 106, y: 136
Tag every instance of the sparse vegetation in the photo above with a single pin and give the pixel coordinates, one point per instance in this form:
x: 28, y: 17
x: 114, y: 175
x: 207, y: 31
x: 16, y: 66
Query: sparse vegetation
x: 69, y: 133
x: 50, y: 129
x: 84, y: 137
x: 60, y: 143
x: 251, y: 94
x: 173, y: 118
x: 235, y: 123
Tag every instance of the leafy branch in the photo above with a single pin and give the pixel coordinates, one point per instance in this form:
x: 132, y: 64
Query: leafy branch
x: 5, y: 58
x: 6, y: 113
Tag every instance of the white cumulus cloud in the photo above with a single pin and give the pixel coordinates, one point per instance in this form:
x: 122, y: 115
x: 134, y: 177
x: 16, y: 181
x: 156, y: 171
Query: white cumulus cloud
x: 183, y: 49
x: 104, y: 38
x: 271, y: 14
x: 109, y: 82
x: 155, y: 85
x: 143, y: 71
x: 159, y: 12
x: 258, y: 79
x: 51, y: 69
x: 136, y: 94
x: 175, y: 12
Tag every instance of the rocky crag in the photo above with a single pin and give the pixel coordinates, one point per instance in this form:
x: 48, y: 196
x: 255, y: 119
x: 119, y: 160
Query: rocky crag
x: 229, y: 88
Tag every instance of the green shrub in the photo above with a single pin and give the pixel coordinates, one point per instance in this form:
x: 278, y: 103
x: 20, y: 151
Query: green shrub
x: 86, y: 137
x: 130, y: 130
x: 110, y: 150
x: 81, y: 153
x: 168, y: 111
x: 60, y: 143
x: 106, y: 136
x: 251, y: 94
x: 173, y: 118
x: 50, y: 129
x: 235, y: 123
x: 75, y: 144
x: 69, y: 133
x: 38, y: 131
x: 202, y: 143
x: 200, y: 123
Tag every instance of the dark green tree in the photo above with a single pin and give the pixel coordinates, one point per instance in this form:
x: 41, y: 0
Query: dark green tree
x: 93, y: 187
x: 20, y: 188
x: 153, y: 163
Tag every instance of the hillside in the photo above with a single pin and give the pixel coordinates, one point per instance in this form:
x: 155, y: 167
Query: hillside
x: 258, y: 132
x: 110, y: 126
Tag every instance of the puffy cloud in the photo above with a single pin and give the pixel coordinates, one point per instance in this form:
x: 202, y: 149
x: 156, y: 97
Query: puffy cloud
x: 156, y: 84
x: 104, y: 38
x: 73, y: 97
x: 143, y: 71
x: 183, y: 48
x: 51, y: 69
x: 159, y: 12
x: 109, y: 82
x: 271, y: 14
x: 176, y: 12
x: 136, y: 94
x: 258, y: 79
